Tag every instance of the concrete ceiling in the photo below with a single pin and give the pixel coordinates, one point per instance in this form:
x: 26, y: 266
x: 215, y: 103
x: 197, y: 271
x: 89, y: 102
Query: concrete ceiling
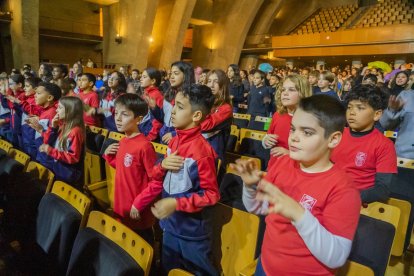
x: 103, y: 2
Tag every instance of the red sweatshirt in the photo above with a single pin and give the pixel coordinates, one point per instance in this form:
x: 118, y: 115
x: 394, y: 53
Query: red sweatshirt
x: 91, y: 99
x: 134, y: 162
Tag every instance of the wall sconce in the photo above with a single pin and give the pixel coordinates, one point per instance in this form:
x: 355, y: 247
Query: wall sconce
x: 118, y: 39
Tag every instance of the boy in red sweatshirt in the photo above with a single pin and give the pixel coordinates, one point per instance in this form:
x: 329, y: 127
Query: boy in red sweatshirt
x: 47, y: 97
x: 312, y: 206
x: 89, y: 98
x: 187, y: 180
x: 134, y: 158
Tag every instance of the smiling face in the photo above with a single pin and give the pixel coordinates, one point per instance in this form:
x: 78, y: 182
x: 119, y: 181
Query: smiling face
x: 401, y: 79
x: 113, y: 80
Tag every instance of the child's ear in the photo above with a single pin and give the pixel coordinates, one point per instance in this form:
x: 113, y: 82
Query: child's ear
x: 139, y: 119
x: 197, y: 116
x: 334, y: 139
x: 377, y: 115
x: 50, y: 98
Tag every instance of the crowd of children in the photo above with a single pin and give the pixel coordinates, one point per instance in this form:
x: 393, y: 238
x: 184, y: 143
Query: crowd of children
x: 328, y: 152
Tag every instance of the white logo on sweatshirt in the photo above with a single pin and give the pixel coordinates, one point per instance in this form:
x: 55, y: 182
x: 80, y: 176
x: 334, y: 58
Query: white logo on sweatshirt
x: 360, y: 158
x: 307, y: 202
x: 128, y: 160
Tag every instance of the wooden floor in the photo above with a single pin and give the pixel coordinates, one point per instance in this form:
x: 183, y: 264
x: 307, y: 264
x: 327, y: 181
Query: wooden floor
x: 401, y: 265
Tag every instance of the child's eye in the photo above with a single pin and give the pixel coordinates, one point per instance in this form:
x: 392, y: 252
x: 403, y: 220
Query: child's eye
x: 308, y: 133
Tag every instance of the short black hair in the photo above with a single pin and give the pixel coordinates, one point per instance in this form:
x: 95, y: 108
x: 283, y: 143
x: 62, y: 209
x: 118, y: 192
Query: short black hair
x: 91, y: 77
x: 34, y: 82
x: 373, y: 95
x: 17, y: 78
x: 52, y: 89
x: 67, y: 85
x: 154, y: 74
x: 134, y: 103
x: 261, y: 73
x: 200, y: 97
x: 328, y: 110
x: 63, y: 69
x: 371, y: 77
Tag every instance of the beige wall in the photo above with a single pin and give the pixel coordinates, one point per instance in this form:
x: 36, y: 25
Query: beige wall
x: 67, y: 52
x: 75, y: 16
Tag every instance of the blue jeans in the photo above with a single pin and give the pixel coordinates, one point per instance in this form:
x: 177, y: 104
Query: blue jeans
x: 191, y: 255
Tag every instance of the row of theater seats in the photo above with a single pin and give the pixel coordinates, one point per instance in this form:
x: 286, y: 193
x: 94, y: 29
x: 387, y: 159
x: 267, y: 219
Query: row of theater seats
x: 387, y: 13
x: 367, y: 255
x: 79, y: 242
x: 326, y: 20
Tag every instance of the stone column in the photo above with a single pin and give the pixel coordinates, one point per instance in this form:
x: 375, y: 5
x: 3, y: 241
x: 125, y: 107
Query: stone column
x: 133, y: 21
x: 24, y: 32
x: 174, y: 35
x: 220, y: 44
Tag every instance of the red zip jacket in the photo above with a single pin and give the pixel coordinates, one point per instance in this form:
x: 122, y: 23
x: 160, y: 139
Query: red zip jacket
x: 194, y: 186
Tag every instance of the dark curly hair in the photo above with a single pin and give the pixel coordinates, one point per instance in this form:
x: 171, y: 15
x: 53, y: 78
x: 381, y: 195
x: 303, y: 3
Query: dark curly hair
x: 376, y: 97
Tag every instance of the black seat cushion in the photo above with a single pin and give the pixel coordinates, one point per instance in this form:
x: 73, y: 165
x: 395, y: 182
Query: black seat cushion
x: 240, y: 123
x: 256, y: 125
x: 106, y: 144
x: 231, y: 191
x: 94, y: 254
x: 254, y: 148
x: 56, y: 228
x: 372, y: 243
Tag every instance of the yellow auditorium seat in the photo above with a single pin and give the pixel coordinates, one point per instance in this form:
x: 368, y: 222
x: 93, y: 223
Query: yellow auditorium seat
x: 234, y: 238
x: 103, y: 191
x: 20, y: 157
x: 179, y: 272
x: 42, y: 173
x: 6, y: 146
x: 241, y: 120
x: 93, y: 164
x: 61, y: 213
x: 114, y: 240
x: 354, y: 269
x: 160, y: 149
x: 233, y: 139
x: 401, y: 229
x: 75, y: 198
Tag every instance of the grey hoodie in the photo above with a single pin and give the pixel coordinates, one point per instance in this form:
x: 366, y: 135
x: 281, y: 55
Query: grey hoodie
x: 404, y: 121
